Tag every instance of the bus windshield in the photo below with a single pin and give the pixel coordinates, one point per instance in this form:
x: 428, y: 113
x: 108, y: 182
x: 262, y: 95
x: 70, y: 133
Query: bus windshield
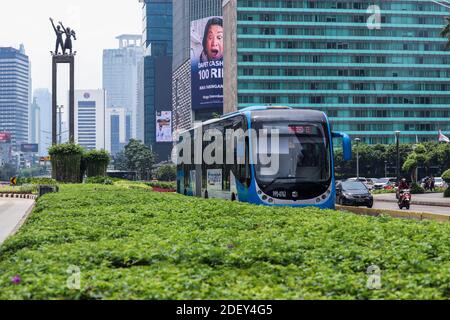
x: 304, y: 153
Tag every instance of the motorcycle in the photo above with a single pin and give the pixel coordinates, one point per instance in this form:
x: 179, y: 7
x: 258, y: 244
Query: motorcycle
x: 404, y: 200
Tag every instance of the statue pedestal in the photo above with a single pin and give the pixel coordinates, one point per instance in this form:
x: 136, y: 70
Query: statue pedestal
x: 64, y: 59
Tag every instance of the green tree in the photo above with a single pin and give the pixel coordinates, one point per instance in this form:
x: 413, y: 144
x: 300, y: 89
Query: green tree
x: 138, y: 157
x: 120, y: 161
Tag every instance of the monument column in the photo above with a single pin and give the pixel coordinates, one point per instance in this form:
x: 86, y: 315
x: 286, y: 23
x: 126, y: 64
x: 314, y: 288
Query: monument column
x: 63, y: 59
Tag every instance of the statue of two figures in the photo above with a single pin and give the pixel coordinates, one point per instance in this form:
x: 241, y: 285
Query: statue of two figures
x: 67, y: 44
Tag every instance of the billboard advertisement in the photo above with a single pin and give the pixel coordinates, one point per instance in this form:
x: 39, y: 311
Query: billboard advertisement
x: 5, y: 137
x: 29, y: 147
x: 207, y: 63
x: 164, y: 126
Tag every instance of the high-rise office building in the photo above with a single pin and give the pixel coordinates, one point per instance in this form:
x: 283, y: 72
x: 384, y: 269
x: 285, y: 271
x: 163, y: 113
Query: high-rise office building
x: 35, y: 122
x: 184, y: 12
x: 371, y: 79
x: 15, y: 94
x: 157, y: 38
x: 121, y: 77
x: 118, y: 129
x: 43, y: 99
x: 90, y: 117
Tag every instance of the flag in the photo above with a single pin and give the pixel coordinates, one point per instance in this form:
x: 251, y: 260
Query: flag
x: 443, y: 138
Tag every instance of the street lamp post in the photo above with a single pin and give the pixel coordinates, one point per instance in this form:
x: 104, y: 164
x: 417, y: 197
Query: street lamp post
x: 385, y: 169
x: 397, y: 135
x: 357, y: 140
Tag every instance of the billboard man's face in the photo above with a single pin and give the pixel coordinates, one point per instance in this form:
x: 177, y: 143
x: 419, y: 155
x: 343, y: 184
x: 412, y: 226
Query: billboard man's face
x: 214, y: 43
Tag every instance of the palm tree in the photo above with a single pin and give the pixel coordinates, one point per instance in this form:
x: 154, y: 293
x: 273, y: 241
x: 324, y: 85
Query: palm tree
x: 445, y: 33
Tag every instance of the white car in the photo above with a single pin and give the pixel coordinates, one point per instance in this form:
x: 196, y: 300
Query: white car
x: 363, y: 180
x: 440, y: 183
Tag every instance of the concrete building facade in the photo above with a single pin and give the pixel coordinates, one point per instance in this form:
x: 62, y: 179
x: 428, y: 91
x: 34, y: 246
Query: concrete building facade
x: 90, y: 118
x: 158, y: 50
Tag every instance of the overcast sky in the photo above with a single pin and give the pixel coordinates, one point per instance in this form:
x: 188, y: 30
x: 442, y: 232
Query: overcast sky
x: 96, y: 22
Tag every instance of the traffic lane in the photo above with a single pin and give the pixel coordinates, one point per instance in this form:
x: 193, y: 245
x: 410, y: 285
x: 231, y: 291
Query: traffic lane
x: 12, y: 212
x: 414, y: 208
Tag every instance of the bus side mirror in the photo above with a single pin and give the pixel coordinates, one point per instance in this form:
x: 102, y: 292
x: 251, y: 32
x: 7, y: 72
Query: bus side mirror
x: 346, y: 144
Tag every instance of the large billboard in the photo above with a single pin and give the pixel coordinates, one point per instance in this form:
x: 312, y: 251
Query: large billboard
x: 29, y: 148
x: 207, y: 63
x: 164, y: 126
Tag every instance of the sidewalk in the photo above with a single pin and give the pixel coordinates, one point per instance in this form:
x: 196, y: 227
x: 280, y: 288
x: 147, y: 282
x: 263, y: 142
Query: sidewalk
x: 13, y: 213
x: 429, y: 199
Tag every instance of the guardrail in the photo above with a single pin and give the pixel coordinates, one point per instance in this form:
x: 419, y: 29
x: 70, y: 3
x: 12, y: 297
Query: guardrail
x: 18, y: 196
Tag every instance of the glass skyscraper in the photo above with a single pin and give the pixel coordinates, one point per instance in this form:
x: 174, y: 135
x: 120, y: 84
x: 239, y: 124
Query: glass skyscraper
x: 328, y: 55
x: 14, y: 94
x: 157, y: 38
x: 121, y: 76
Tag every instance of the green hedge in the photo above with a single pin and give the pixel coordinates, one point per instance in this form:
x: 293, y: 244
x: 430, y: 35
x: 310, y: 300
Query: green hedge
x: 37, y: 181
x: 96, y: 163
x: 447, y: 193
x: 66, y: 162
x: 417, y: 189
x: 23, y: 189
x: 162, y: 185
x: 99, y: 180
x: 167, y: 173
x: 136, y: 244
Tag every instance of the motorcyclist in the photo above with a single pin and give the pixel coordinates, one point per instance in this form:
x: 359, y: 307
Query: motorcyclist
x: 403, y: 185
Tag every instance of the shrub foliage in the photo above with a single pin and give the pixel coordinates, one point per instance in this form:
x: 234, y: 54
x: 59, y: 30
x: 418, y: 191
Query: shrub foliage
x: 167, y: 173
x: 66, y: 162
x: 135, y: 244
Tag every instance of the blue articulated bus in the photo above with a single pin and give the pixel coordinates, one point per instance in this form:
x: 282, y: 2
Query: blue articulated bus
x: 305, y: 172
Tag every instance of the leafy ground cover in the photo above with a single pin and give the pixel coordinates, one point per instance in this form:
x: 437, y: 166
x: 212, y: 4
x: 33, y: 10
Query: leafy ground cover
x: 136, y: 244
x: 23, y: 189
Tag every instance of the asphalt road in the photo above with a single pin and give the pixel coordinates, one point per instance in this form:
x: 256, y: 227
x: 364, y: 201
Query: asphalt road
x: 414, y: 208
x: 12, y: 212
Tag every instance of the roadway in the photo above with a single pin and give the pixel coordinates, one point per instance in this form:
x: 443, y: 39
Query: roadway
x: 12, y: 214
x: 426, y: 203
x: 414, y: 208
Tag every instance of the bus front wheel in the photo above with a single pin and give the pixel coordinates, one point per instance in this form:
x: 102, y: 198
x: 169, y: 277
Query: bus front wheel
x: 233, y: 197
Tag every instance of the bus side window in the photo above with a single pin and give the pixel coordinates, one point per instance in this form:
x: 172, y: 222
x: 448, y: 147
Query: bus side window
x: 226, y: 168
